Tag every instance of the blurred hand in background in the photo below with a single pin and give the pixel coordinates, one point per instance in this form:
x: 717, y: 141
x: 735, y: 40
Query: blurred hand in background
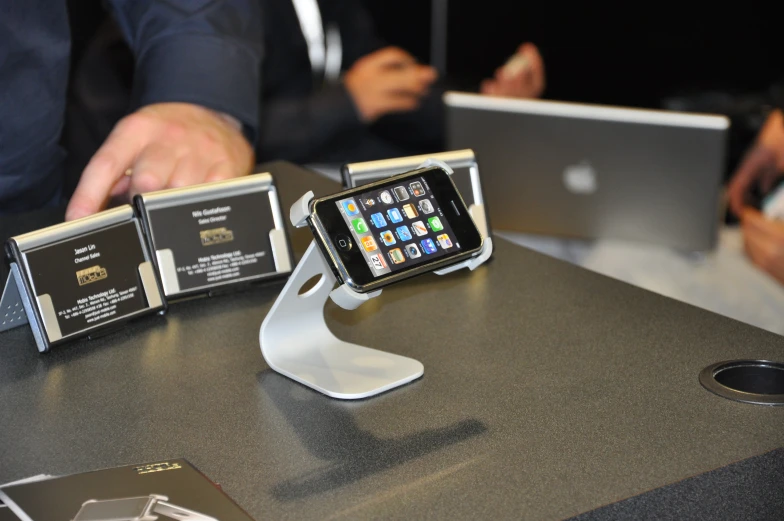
x: 387, y: 81
x: 163, y: 145
x: 763, y: 237
x: 764, y: 242
x: 763, y: 163
x: 522, y: 76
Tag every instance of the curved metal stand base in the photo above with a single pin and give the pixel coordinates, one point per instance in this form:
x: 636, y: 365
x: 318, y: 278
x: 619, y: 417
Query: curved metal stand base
x: 296, y: 342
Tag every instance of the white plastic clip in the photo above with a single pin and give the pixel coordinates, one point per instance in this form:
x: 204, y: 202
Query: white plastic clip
x: 487, y: 243
x: 436, y: 162
x: 300, y: 211
x: 473, y: 262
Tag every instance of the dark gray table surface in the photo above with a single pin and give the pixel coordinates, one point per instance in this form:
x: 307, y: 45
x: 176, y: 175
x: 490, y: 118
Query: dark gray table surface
x: 549, y: 391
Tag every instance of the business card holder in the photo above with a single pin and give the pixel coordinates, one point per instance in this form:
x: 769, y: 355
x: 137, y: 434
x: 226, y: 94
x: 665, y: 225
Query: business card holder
x: 64, y: 293
x: 216, y: 237
x: 296, y: 341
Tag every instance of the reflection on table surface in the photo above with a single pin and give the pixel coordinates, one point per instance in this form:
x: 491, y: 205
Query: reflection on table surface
x: 723, y: 281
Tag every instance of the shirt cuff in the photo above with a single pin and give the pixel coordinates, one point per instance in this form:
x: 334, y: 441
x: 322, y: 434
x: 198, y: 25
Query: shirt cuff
x: 203, y: 70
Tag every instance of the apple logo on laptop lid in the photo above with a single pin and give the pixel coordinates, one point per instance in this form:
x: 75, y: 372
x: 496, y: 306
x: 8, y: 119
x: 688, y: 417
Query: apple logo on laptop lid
x: 580, y: 178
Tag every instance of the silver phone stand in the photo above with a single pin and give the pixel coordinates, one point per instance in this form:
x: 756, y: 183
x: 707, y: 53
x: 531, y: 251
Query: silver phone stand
x: 297, y: 343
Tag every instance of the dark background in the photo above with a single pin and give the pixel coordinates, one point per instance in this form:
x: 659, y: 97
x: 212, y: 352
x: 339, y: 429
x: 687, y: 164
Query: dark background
x: 634, y: 55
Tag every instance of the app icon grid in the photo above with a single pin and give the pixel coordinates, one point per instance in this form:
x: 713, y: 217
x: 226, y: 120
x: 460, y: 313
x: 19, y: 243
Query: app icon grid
x: 401, y: 220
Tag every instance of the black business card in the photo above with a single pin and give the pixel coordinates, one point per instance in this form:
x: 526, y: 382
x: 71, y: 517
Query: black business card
x: 219, y: 241
x: 91, y: 279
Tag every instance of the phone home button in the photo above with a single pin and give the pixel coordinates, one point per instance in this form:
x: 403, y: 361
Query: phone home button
x: 343, y: 242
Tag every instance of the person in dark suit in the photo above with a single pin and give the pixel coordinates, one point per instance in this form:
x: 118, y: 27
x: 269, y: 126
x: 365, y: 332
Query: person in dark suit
x: 194, y: 100
x: 333, y: 91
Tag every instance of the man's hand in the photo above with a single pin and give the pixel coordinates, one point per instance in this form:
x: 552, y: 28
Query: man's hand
x: 386, y: 81
x: 165, y: 145
x: 521, y: 77
x: 763, y: 163
x: 764, y: 241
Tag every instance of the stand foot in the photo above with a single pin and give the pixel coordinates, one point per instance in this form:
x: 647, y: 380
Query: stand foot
x: 348, y: 371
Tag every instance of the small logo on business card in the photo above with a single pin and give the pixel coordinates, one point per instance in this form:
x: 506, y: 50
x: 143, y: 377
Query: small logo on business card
x: 216, y: 236
x: 90, y: 275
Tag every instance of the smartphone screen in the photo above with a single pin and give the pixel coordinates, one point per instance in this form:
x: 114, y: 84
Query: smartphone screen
x: 399, y: 225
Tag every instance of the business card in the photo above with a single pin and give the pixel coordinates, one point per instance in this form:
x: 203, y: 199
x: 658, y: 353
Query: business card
x: 216, y: 234
x: 90, y: 279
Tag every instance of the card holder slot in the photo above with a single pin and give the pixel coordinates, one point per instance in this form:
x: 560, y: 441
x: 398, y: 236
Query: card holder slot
x: 280, y: 250
x: 168, y: 270
x: 150, y: 285
x: 49, y: 317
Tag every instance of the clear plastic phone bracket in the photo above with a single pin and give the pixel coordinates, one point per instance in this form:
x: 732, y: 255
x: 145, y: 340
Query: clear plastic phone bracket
x: 296, y: 342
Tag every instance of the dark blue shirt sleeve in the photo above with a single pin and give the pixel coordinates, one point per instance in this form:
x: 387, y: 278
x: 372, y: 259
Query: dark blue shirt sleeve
x: 206, y: 52
x: 35, y: 46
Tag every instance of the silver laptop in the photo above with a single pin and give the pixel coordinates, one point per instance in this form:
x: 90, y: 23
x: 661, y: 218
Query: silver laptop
x: 593, y: 171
